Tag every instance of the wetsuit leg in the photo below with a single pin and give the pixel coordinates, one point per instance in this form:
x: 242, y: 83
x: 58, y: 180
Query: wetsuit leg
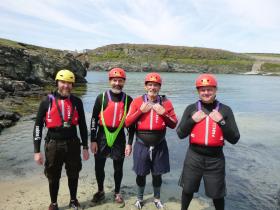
x: 157, y: 181
x: 73, y: 186
x: 73, y: 166
x: 118, y: 173
x: 141, y: 183
x: 219, y: 203
x: 53, y: 189
x: 53, y: 166
x: 99, y: 172
x: 186, y: 200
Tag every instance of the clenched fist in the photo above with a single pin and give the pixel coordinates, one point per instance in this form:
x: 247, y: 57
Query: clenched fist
x: 159, y: 109
x: 145, y: 107
x: 198, y: 116
x: 216, y: 116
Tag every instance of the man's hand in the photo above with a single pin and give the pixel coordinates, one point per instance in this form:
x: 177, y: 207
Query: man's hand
x: 128, y: 149
x: 145, y: 107
x: 216, y: 116
x: 159, y: 109
x: 198, y: 116
x: 85, y: 154
x: 39, y: 159
x: 93, y: 147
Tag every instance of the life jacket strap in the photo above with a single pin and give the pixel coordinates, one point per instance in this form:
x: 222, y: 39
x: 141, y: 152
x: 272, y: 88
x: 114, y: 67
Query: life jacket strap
x: 199, y: 106
x: 63, y: 123
x: 111, y: 136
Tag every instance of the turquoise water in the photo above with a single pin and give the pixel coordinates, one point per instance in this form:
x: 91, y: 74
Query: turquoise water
x: 253, y: 165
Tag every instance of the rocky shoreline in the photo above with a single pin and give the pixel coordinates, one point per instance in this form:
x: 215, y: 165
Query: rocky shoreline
x: 164, y: 66
x: 8, y: 119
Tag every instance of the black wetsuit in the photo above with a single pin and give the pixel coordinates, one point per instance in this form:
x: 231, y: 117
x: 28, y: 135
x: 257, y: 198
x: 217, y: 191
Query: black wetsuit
x: 62, y: 146
x: 116, y: 152
x: 198, y: 156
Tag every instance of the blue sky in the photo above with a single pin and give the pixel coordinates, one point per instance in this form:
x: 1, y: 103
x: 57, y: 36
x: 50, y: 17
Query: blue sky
x: 235, y: 25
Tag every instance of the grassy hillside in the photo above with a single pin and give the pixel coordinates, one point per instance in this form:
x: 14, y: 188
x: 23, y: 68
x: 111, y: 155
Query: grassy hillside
x: 29, y: 47
x: 270, y: 62
x: 141, y: 54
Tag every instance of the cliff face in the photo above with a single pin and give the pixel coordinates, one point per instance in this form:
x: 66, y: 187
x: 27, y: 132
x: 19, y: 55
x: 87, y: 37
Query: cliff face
x: 36, y: 65
x: 135, y: 57
x: 24, y: 71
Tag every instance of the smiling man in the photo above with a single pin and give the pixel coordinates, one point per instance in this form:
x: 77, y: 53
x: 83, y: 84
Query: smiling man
x: 61, y: 112
x: 208, y: 123
x: 151, y: 114
x: 107, y: 133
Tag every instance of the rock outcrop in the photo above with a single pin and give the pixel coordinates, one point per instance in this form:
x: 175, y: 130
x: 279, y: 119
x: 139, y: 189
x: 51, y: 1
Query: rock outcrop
x: 8, y: 119
x: 36, y: 65
x: 25, y: 70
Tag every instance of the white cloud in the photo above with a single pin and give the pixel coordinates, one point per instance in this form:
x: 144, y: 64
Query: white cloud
x: 263, y: 14
x: 46, y: 11
x: 152, y: 21
x: 234, y: 25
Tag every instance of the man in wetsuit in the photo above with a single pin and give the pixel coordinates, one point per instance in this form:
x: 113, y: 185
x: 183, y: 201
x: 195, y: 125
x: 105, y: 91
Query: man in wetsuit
x: 61, y: 112
x: 151, y: 113
x: 107, y: 133
x: 207, y: 123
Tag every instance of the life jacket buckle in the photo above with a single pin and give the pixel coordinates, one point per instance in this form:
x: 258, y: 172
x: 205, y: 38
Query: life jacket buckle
x: 66, y: 124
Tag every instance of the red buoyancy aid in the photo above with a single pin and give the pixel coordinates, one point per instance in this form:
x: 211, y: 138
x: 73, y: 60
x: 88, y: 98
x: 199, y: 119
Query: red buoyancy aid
x: 113, y: 112
x: 207, y: 132
x: 61, y: 113
x: 151, y: 120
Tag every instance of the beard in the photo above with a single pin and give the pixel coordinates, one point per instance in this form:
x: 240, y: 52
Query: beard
x: 152, y: 93
x: 64, y: 91
x: 117, y: 89
x: 208, y: 99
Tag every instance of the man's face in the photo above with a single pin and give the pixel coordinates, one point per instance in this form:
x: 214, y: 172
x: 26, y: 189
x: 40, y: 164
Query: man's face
x: 207, y: 94
x: 64, y: 88
x: 152, y: 88
x: 117, y: 84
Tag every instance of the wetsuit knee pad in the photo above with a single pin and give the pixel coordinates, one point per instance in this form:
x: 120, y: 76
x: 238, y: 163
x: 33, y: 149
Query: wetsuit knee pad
x: 141, y: 181
x: 73, y: 169
x: 118, y: 165
x: 73, y: 173
x: 53, y: 180
x: 157, y: 180
x: 52, y: 172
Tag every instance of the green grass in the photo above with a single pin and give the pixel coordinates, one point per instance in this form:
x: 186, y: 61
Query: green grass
x: 271, y: 68
x: 32, y: 48
x: 9, y: 43
x: 213, y: 62
x: 265, y: 54
x: 141, y: 54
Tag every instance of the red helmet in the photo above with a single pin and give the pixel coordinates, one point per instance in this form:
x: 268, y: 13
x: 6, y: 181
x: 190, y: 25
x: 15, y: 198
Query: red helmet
x: 153, y: 77
x: 205, y: 80
x: 117, y: 72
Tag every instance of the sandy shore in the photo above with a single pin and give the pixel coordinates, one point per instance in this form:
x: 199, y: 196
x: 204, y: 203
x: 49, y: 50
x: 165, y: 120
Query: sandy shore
x: 32, y: 193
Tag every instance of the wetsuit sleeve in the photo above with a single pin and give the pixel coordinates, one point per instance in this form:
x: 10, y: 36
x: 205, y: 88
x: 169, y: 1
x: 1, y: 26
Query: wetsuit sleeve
x: 169, y: 116
x: 39, y: 124
x: 186, y: 124
x: 82, y: 124
x: 229, y: 126
x: 133, y: 113
x: 94, y: 118
x: 131, y: 128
